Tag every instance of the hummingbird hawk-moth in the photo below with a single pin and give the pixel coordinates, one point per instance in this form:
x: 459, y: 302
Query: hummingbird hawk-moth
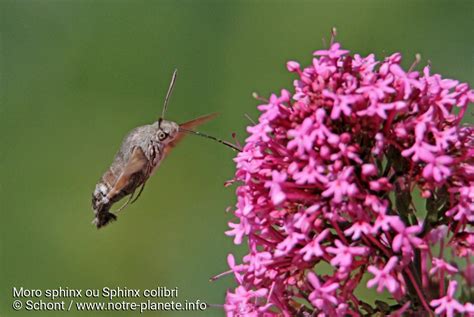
x: 141, y: 152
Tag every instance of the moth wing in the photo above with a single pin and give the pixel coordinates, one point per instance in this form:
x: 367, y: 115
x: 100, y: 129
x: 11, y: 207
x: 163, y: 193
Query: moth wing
x: 137, y: 162
x: 189, y: 125
x: 198, y: 121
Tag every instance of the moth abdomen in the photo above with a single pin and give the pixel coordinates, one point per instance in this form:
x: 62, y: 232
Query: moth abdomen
x: 105, y: 196
x: 99, y: 196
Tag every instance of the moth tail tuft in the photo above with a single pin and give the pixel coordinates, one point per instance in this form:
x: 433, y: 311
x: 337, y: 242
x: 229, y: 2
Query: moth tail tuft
x: 103, y: 218
x: 101, y: 206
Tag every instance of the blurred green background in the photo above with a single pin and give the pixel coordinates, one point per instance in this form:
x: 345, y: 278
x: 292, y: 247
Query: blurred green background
x: 76, y: 76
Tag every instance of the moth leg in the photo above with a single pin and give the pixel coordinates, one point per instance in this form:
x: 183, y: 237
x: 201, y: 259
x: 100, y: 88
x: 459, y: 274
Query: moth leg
x: 136, y: 163
x: 139, y: 193
x: 130, y: 197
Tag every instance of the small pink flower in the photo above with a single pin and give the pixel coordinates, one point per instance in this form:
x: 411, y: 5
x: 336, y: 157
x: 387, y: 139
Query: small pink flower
x: 270, y: 112
x: 447, y: 304
x: 421, y: 149
x: 239, y: 230
x: 406, y: 81
x: 357, y: 229
x: 302, y: 137
x: 341, y: 186
x: 276, y: 193
x: 437, y: 168
x: 236, y: 269
x: 380, y: 109
x: 323, y: 69
x: 292, y: 66
x: 406, y: 238
x: 333, y: 52
x: 385, y: 222
x: 464, y: 209
x: 369, y: 170
x: 340, y: 103
x: 383, y: 278
x: 323, y: 295
x: 256, y: 262
x: 259, y: 132
x: 439, y: 265
x: 345, y: 254
x: 313, y: 249
x: 241, y: 303
x: 381, y: 184
x: 377, y: 90
x: 310, y: 174
x: 288, y: 244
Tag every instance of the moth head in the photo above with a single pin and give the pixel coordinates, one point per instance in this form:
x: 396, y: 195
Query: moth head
x: 166, y: 130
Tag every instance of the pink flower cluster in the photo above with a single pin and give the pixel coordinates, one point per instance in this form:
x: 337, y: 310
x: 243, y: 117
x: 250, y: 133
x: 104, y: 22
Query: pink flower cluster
x: 368, y: 168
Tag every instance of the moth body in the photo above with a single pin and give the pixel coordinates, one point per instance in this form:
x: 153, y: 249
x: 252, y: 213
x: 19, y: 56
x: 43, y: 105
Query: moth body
x: 140, y: 154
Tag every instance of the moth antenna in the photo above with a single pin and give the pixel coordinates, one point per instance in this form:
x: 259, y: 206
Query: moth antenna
x: 168, y: 94
x: 232, y: 146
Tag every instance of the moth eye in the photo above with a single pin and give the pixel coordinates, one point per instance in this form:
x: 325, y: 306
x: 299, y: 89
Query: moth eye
x: 161, y: 135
